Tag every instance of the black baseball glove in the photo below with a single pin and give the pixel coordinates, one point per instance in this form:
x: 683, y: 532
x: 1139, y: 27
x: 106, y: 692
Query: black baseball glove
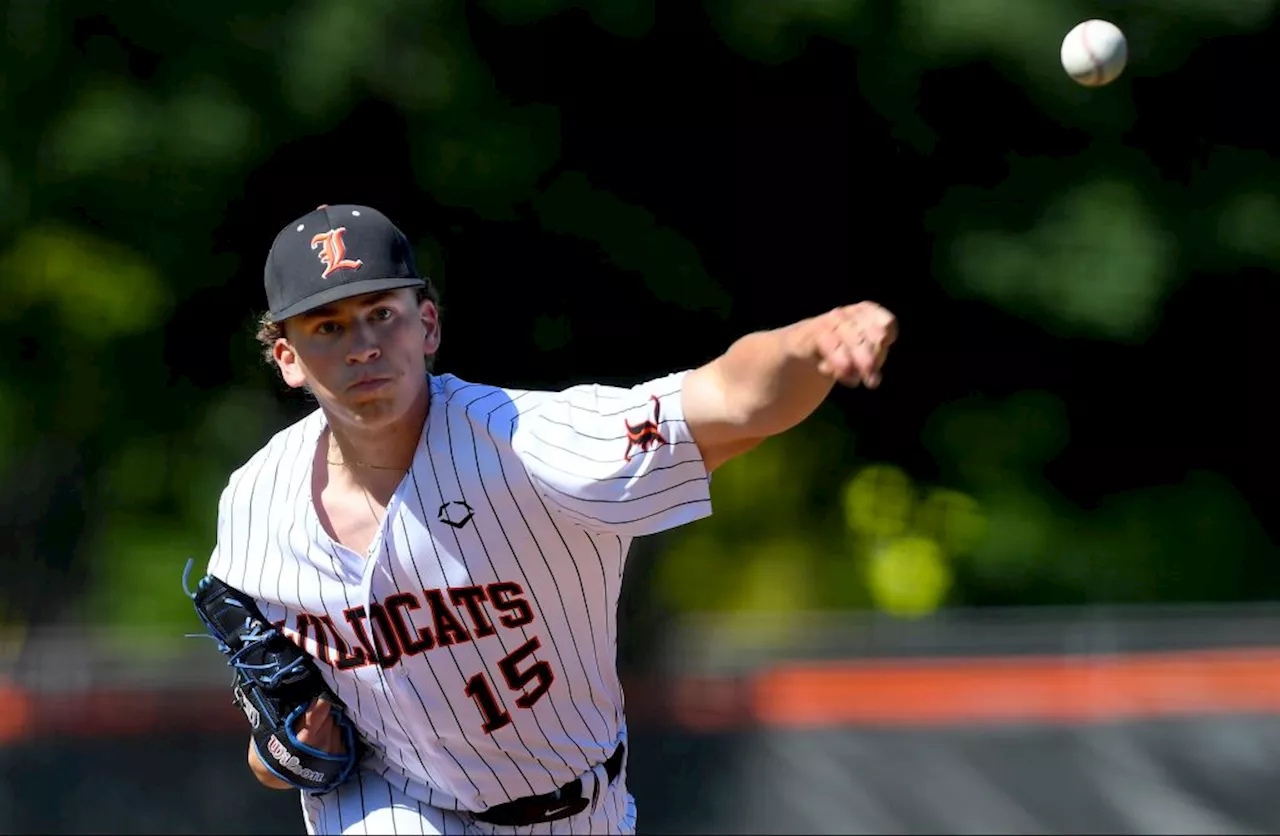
x: 275, y: 683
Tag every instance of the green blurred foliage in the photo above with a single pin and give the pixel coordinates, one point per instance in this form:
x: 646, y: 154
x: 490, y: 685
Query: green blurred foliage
x: 98, y: 289
x: 129, y: 147
x: 1094, y: 264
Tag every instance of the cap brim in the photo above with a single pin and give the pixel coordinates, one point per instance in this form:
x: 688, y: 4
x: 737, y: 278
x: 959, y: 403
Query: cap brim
x: 344, y: 291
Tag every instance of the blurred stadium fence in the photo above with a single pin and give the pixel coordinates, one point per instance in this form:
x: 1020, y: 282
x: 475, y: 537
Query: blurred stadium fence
x: 1149, y: 720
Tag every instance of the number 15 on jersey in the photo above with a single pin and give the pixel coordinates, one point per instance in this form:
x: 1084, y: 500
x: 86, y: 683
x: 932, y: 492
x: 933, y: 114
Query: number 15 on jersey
x: 518, y: 677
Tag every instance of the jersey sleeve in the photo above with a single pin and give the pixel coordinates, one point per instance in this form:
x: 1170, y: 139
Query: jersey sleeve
x: 220, y: 557
x: 614, y: 459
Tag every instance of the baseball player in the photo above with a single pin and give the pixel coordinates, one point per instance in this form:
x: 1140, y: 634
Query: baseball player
x: 449, y: 554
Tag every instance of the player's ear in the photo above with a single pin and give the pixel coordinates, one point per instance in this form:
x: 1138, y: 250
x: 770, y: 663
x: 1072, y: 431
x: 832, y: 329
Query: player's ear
x: 287, y: 360
x: 431, y: 327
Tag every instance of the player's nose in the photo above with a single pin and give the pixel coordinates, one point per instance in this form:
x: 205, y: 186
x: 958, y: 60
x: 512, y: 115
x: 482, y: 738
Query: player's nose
x: 364, y: 346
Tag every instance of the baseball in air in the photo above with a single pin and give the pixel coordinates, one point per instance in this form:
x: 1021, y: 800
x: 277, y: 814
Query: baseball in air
x: 1094, y: 53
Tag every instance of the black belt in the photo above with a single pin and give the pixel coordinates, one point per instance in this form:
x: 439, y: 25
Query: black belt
x: 558, y: 804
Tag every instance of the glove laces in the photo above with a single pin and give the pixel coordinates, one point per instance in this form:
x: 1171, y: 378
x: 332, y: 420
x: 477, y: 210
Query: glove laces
x: 256, y: 634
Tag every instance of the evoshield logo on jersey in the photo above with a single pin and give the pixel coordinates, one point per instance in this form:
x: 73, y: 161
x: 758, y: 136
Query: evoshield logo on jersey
x: 455, y: 514
x: 645, y: 436
x: 333, y: 252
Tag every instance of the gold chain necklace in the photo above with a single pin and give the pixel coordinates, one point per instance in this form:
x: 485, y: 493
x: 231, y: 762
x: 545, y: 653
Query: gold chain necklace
x: 365, y: 464
x: 358, y: 463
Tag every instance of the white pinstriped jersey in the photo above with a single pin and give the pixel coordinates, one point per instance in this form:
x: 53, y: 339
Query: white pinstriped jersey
x: 475, y: 644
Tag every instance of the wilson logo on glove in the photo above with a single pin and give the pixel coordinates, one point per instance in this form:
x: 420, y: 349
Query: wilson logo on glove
x: 287, y: 760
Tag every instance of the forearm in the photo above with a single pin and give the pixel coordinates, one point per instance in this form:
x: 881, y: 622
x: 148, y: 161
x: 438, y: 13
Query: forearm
x: 771, y: 380
x: 260, y: 771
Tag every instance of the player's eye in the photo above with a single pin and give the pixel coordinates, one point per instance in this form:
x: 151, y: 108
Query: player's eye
x: 382, y: 314
x: 327, y: 328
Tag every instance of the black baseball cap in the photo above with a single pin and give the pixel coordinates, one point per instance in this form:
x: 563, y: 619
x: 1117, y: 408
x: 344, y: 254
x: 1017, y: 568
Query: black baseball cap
x: 336, y: 252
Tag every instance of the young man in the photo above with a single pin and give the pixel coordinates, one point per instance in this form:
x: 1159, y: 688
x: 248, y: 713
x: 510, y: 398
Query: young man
x: 451, y: 553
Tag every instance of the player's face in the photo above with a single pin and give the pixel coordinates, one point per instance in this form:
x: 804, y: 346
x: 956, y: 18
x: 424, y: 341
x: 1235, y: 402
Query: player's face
x: 363, y: 358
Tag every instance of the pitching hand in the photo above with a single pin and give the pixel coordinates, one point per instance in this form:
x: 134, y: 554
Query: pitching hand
x: 853, y: 343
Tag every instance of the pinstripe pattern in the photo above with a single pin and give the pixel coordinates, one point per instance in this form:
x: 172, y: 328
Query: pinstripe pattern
x: 475, y: 644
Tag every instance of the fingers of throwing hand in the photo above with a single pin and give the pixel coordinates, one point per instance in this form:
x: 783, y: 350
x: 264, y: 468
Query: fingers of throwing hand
x: 864, y: 348
x: 835, y: 357
x: 855, y: 341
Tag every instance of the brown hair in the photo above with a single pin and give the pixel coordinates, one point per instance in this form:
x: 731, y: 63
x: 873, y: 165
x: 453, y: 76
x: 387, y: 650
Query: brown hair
x: 269, y: 330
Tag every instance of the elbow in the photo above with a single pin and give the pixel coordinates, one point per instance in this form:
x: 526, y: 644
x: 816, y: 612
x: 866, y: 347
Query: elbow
x: 765, y: 384
x: 722, y: 419
x: 713, y: 456
x: 717, y: 413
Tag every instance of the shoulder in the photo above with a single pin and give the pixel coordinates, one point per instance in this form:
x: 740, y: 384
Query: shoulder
x: 482, y: 403
x: 609, y: 402
x: 589, y: 408
x: 281, y: 453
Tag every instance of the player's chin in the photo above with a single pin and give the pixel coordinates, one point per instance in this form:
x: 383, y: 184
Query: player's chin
x: 373, y: 410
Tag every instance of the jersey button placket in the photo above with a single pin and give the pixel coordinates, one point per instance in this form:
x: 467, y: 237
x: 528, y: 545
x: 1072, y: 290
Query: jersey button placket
x: 374, y: 560
x: 377, y: 549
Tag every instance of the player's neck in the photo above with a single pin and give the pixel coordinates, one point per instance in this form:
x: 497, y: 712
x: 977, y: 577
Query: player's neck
x: 363, y: 452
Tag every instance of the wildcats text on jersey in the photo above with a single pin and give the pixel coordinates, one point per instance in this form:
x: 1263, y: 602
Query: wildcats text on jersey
x: 387, y: 632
